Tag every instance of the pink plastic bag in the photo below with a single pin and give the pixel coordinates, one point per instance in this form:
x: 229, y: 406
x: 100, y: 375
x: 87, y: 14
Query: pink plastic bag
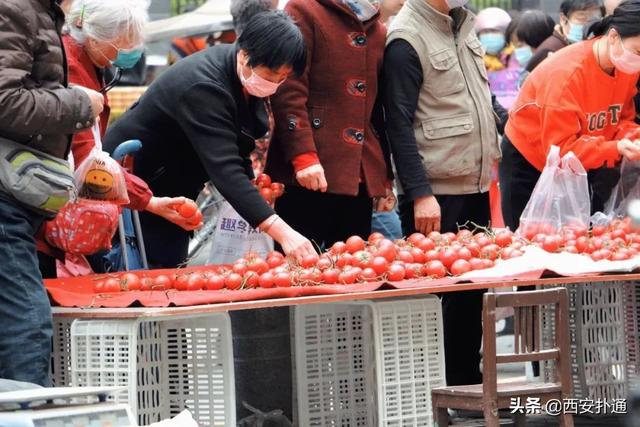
x: 560, y: 197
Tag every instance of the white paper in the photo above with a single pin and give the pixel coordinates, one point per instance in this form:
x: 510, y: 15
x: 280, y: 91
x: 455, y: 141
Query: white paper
x: 183, y: 419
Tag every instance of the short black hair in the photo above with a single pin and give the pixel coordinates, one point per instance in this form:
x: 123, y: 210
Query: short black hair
x: 567, y: 7
x: 534, y: 27
x: 624, y: 20
x: 243, y: 10
x: 273, y: 40
x: 512, y: 27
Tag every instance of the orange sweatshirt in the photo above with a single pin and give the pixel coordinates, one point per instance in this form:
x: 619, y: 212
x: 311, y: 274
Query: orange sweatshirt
x: 570, y: 102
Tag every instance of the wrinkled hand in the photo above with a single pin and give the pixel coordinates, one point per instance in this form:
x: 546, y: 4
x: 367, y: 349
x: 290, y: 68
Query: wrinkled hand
x: 629, y: 150
x: 386, y: 203
x: 96, y: 98
x: 293, y: 243
x: 312, y: 178
x: 165, y: 207
x: 426, y: 212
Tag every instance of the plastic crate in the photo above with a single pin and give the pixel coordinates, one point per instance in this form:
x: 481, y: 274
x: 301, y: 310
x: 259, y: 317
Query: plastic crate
x: 597, y: 326
x: 167, y: 365
x: 396, y: 351
x: 632, y: 329
x: 61, y: 352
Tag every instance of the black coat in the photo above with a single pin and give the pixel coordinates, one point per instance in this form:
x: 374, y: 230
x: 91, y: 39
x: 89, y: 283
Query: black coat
x: 196, y: 125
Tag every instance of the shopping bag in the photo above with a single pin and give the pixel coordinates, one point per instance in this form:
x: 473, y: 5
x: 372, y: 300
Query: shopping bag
x: 99, y: 177
x: 627, y: 190
x: 560, y: 197
x: 233, y: 237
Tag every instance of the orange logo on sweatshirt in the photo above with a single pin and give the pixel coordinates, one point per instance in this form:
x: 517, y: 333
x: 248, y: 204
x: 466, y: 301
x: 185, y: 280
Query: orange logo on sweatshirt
x: 599, y: 121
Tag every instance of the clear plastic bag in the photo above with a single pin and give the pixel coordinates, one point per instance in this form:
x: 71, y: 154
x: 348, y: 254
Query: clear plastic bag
x: 99, y: 177
x: 560, y: 197
x: 627, y: 190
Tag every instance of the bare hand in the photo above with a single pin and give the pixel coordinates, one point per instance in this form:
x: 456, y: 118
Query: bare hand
x: 386, y: 203
x: 96, y: 98
x: 629, y: 150
x: 426, y: 211
x: 312, y: 178
x: 293, y: 243
x: 165, y: 207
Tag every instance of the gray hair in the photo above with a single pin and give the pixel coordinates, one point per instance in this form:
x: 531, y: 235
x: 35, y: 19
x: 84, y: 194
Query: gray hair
x: 243, y: 10
x: 108, y: 20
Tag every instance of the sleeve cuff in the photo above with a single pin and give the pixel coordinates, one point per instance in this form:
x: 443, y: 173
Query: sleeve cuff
x: 422, y: 191
x: 305, y: 160
x: 610, y: 153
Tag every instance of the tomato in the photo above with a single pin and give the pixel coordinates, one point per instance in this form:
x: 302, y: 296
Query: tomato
x: 277, y: 189
x: 380, y: 265
x: 375, y: 238
x: 434, y: 269
x: 474, y: 248
x: 396, y: 272
x: 187, y: 209
x: 425, y: 244
x: 448, y: 257
x: 435, y: 236
x: 130, y: 282
x: 418, y: 255
x: 330, y: 276
x: 303, y: 277
x: 266, y: 280
x: 196, y: 219
x: 347, y: 277
x: 263, y: 180
x: 344, y: 260
x: 355, y: 244
x: 214, y: 282
x: 432, y: 255
x: 582, y: 243
x: 98, y: 287
x: 309, y: 261
x: 387, y: 249
x: 258, y: 265
x: 267, y: 194
x: 369, y: 274
x: 324, y: 263
x: 111, y: 285
x: 181, y: 282
x: 410, y: 272
x: 146, y: 284
x: 362, y: 259
x: 504, y: 238
x: 459, y: 267
x: 464, y: 253
x: 488, y: 263
x: 274, y: 262
x: 598, y: 230
x: 570, y: 249
x: 464, y: 235
x: 482, y: 240
x: 282, y: 280
x: 162, y: 283
x: 338, y: 248
x: 414, y: 238
x: 551, y: 243
x: 233, y: 281
x: 195, y: 282
x: 404, y: 256
x: 239, y: 268
x: 490, y: 251
x: 618, y: 233
x: 448, y: 238
x: 476, y: 264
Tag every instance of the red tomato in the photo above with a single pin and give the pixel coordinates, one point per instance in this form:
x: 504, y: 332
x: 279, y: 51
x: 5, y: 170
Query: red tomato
x: 570, y: 249
x: 355, y: 244
x: 195, y: 219
x: 448, y: 257
x: 130, y: 282
x: 380, y: 265
x: 418, y: 255
x: 459, y: 267
x: 369, y: 274
x: 464, y: 235
x: 476, y: 264
x: 375, y: 238
x: 274, y: 262
x: 240, y: 268
x: 474, y: 248
x: 195, y: 282
x: 490, y: 251
x: 233, y: 281
x: 266, y: 280
x: 251, y: 279
x: 282, y: 280
x: 387, y: 249
x: 98, y: 287
x: 214, y: 282
x: 551, y: 243
x: 146, y: 284
x: 504, y: 238
x: 162, y: 283
x: 338, y: 248
x: 488, y: 263
x: 347, y: 277
x: 331, y: 276
x: 181, y: 282
x: 309, y: 261
x: 277, y: 189
x: 598, y: 230
x: 434, y: 269
x: 415, y: 238
x: 448, y: 238
x: 425, y: 244
x: 432, y: 255
x: 464, y: 253
x: 582, y: 243
x: 324, y: 263
x: 396, y: 272
x: 404, y: 256
x: 263, y: 180
x: 344, y: 260
x: 482, y: 240
x: 267, y: 194
x: 258, y: 265
x: 187, y: 209
x: 111, y: 285
x: 435, y: 236
x: 362, y: 259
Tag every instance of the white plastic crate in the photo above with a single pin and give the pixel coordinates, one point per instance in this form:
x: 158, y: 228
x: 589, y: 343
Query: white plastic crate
x: 168, y: 365
x: 632, y: 329
x: 61, y: 352
x: 398, y: 352
x: 597, y: 327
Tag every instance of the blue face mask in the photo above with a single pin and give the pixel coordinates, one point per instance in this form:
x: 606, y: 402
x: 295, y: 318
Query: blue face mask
x: 127, y: 58
x: 493, y: 42
x: 523, y: 55
x: 576, y: 33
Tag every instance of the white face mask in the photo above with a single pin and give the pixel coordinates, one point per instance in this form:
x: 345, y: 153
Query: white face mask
x: 364, y: 9
x: 256, y: 85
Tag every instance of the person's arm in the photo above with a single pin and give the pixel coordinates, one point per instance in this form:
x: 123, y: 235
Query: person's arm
x: 627, y: 128
x: 403, y: 79
x: 32, y: 111
x: 501, y: 113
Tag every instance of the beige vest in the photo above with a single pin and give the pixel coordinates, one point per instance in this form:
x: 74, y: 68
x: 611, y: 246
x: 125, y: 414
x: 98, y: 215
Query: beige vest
x: 454, y: 124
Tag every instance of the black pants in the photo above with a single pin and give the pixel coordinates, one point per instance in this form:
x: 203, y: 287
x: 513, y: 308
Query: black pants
x: 461, y: 311
x: 326, y: 218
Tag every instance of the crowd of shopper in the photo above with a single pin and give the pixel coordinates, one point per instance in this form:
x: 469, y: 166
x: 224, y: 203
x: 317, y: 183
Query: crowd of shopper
x: 363, y: 100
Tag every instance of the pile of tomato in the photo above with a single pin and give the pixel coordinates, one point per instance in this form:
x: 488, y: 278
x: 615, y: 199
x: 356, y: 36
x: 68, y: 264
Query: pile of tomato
x: 357, y: 260
x: 269, y: 190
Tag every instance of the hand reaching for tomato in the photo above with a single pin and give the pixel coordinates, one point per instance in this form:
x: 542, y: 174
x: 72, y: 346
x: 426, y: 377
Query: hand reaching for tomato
x: 173, y: 208
x: 426, y: 211
x: 293, y: 243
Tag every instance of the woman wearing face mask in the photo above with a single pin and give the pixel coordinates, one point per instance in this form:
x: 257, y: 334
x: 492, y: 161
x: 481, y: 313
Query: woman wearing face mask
x: 580, y: 99
x: 490, y: 25
x: 534, y: 27
x: 198, y: 122
x: 575, y: 17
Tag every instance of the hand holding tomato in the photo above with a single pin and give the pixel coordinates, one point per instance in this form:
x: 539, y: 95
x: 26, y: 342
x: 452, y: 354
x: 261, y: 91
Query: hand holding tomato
x: 312, y: 178
x: 293, y: 243
x: 169, y: 208
x: 426, y: 212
